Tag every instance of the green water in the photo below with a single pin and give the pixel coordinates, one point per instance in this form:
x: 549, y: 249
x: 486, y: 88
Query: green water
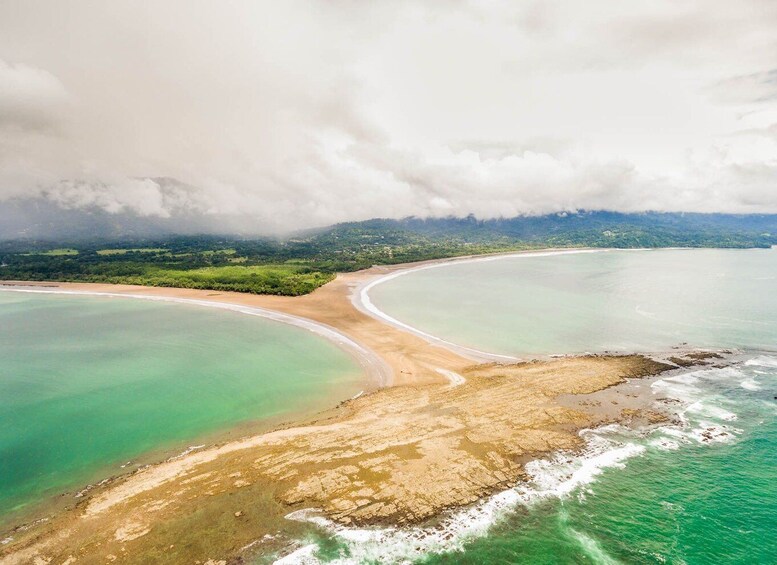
x: 615, y: 300
x: 696, y: 503
x: 700, y: 493
x: 667, y: 496
x: 88, y: 384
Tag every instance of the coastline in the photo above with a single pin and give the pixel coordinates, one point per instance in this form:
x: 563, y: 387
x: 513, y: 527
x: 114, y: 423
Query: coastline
x: 392, y: 353
x: 373, y: 365
x: 399, y: 456
x: 445, y: 434
x: 361, y: 299
x: 390, y: 356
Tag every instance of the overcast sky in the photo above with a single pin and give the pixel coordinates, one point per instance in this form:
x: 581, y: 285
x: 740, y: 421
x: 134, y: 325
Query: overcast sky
x: 305, y: 113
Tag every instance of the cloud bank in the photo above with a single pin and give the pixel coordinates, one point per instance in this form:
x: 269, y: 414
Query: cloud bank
x: 297, y: 114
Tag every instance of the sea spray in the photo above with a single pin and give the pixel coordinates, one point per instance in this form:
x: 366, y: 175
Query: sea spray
x: 558, y: 476
x: 704, y: 491
x: 703, y: 417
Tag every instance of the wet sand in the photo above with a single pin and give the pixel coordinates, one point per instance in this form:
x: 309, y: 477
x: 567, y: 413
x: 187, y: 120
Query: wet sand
x: 399, y: 456
x: 412, y: 360
x: 447, y: 433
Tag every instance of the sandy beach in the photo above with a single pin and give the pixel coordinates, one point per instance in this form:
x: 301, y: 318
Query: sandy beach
x: 392, y: 353
x: 411, y: 359
x: 450, y: 430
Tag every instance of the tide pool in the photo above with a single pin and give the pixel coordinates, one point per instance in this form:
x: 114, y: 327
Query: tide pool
x: 88, y: 384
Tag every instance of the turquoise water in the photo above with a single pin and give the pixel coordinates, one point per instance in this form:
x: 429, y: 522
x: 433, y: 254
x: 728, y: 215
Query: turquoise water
x: 88, y: 384
x: 681, y: 499
x: 614, y: 300
x: 701, y: 492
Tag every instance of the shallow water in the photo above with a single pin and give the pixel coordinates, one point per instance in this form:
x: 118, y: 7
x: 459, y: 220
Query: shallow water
x: 88, y: 384
x: 700, y: 492
x: 704, y: 492
x: 609, y: 300
x: 684, y: 498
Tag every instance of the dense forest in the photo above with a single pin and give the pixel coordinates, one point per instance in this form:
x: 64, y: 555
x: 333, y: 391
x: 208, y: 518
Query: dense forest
x: 299, y: 263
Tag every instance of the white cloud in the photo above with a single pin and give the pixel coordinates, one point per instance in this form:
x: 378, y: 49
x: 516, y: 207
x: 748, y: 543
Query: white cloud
x: 305, y: 113
x: 30, y: 98
x: 143, y: 197
x: 750, y: 88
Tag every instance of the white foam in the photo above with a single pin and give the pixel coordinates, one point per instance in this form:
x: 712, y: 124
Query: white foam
x: 395, y: 545
x: 305, y: 555
x: 561, y: 475
x: 699, y: 432
x: 750, y: 384
x: 700, y: 412
x: 558, y: 476
x: 762, y: 361
x: 665, y: 444
x: 709, y: 432
x: 673, y: 432
x: 695, y: 401
x: 187, y: 451
x: 678, y: 391
x: 371, y: 362
x: 686, y: 378
x: 361, y: 299
x: 706, y: 409
x: 721, y: 374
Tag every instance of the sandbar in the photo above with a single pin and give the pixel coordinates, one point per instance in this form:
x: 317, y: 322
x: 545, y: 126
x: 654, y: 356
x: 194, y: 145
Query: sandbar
x: 449, y: 430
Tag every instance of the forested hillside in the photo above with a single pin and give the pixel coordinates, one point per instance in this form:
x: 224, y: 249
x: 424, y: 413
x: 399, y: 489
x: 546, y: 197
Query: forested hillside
x: 301, y: 262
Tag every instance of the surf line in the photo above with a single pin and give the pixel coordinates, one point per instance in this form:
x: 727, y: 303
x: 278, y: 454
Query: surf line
x: 360, y: 298
x: 375, y: 367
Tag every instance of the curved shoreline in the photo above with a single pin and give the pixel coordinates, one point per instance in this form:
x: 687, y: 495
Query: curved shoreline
x: 375, y: 367
x: 362, y: 301
x: 399, y: 455
x: 357, y: 293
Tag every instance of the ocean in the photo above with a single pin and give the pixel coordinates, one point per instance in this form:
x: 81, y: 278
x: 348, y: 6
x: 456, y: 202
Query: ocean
x: 94, y: 386
x: 699, y: 491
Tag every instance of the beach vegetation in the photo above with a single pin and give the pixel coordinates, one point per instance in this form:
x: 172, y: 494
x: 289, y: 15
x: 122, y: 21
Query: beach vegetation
x: 126, y: 251
x: 303, y: 261
x: 55, y: 252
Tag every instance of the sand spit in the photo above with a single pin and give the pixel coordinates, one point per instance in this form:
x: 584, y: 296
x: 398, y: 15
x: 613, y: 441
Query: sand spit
x: 393, y: 356
x: 392, y: 353
x: 399, y: 456
x: 447, y: 433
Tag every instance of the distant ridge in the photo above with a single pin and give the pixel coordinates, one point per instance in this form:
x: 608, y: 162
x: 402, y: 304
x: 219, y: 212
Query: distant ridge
x: 43, y: 220
x: 300, y: 262
x: 564, y: 229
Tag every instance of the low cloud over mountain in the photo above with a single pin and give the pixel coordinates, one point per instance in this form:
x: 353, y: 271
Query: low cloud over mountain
x: 270, y: 116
